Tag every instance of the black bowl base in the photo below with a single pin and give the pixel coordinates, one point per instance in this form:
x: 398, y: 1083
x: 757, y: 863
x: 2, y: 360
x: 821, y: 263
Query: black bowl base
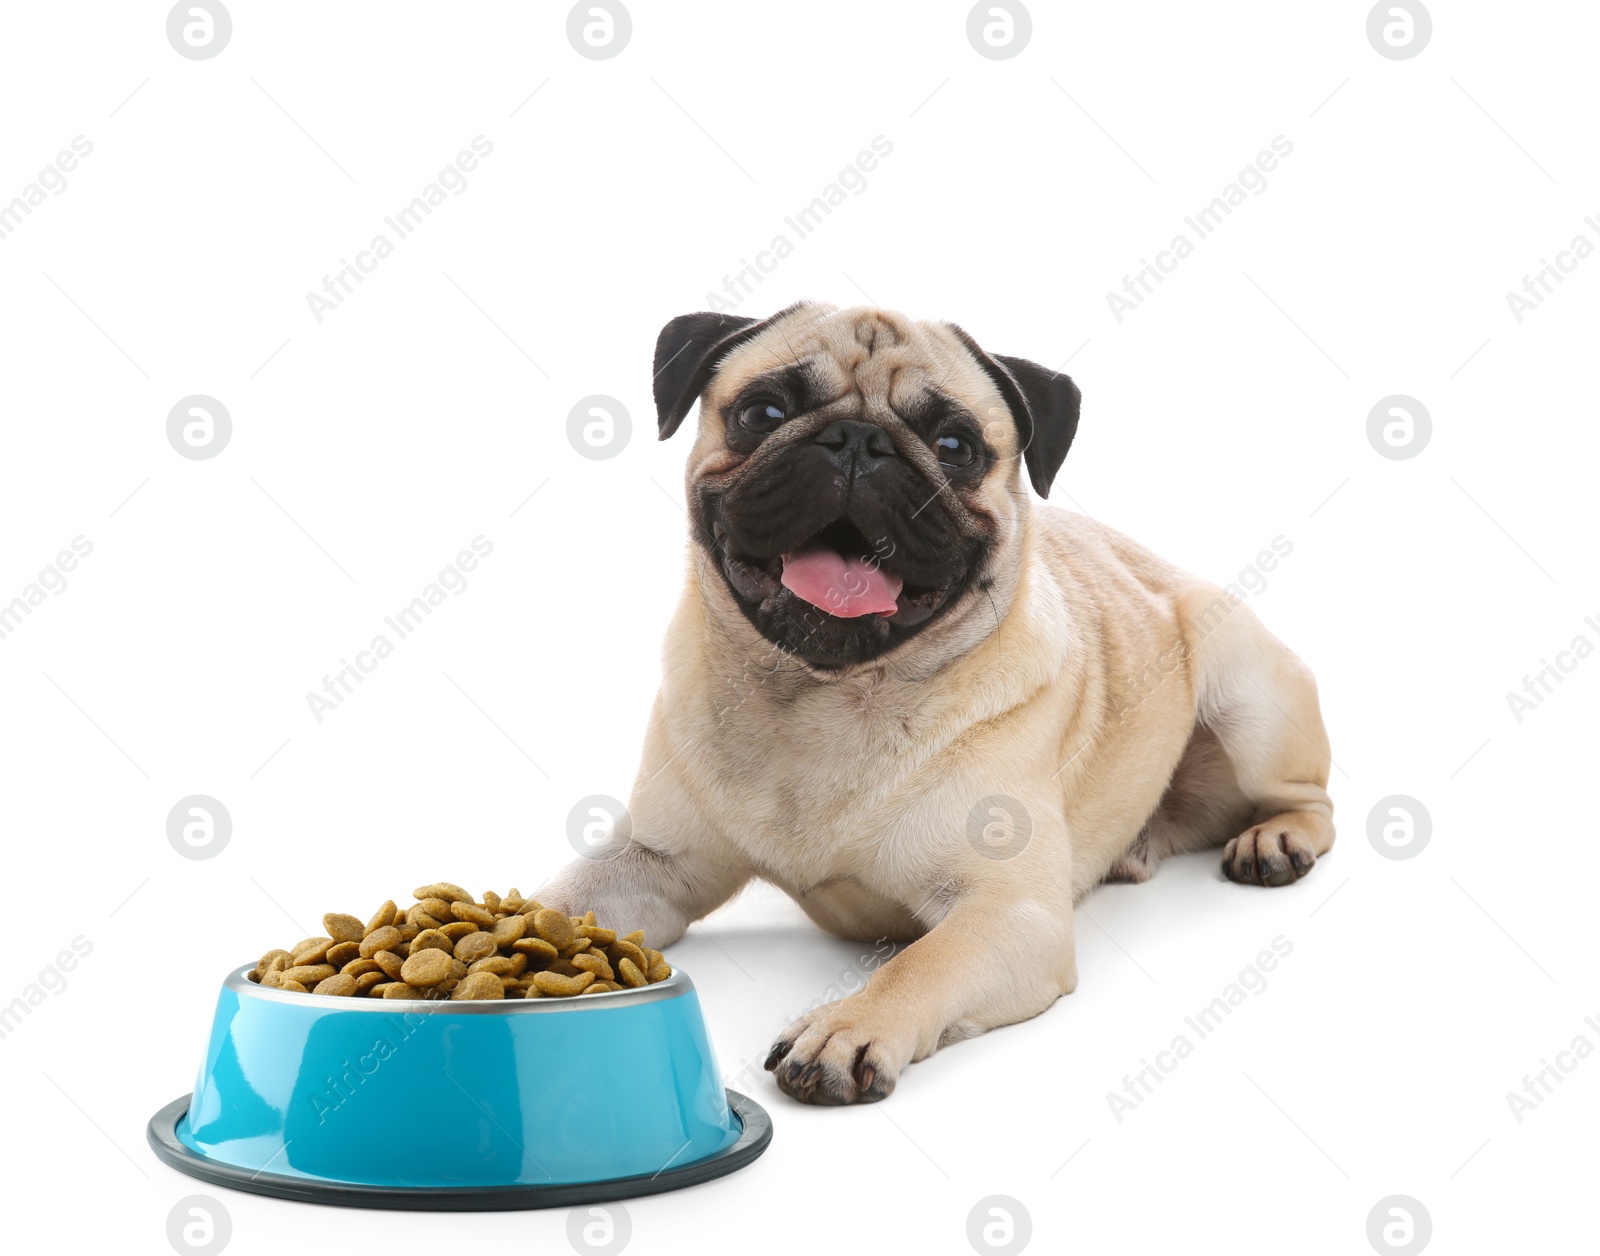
x: 162, y: 1134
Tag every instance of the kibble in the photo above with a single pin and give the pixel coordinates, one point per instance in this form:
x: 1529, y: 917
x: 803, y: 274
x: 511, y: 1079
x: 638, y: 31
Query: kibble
x: 629, y: 972
x: 442, y: 890
x: 309, y: 972
x: 479, y: 986
x: 342, y: 928
x: 479, y: 916
x: 382, y: 939
x: 535, y: 948
x: 595, y: 964
x: 448, y: 945
x: 509, y: 929
x: 342, y: 953
x: 623, y: 949
x: 553, y: 927
x: 475, y: 946
x: 312, y: 951
x: 554, y: 983
x: 426, y: 968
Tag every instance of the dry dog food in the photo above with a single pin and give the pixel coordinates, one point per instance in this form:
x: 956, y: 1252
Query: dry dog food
x: 448, y: 946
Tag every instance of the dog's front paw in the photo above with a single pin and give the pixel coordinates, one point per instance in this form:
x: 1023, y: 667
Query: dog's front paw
x: 834, y: 1056
x: 1277, y: 853
x: 625, y: 892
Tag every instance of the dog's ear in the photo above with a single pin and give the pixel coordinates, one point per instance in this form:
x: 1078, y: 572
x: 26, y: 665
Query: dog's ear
x: 1053, y: 402
x: 686, y: 355
x: 1044, y: 403
x: 688, y: 351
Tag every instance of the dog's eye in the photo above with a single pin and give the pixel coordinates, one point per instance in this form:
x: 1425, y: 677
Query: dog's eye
x: 955, y: 451
x: 761, y: 416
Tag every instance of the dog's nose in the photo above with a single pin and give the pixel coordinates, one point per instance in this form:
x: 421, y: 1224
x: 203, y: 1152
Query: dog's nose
x: 857, y: 446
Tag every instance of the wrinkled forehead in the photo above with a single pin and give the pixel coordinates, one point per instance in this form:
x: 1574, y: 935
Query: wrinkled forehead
x: 878, y: 361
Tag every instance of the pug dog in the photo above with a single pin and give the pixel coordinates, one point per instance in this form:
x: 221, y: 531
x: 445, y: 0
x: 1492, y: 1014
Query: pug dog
x: 926, y: 706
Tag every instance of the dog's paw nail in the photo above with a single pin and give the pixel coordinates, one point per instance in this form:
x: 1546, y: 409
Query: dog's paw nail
x: 779, y: 1050
x: 865, y: 1074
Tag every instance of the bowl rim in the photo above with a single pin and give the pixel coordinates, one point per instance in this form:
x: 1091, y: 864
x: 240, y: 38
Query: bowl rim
x: 675, y: 986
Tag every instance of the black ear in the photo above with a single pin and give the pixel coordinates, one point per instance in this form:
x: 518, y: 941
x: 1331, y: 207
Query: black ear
x: 1044, y: 403
x: 1053, y: 402
x: 688, y: 352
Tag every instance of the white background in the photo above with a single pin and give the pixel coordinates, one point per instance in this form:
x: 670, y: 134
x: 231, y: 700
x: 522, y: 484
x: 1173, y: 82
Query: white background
x: 367, y: 450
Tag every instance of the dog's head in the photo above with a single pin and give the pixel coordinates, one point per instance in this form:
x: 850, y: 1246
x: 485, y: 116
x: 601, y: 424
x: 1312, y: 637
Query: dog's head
x: 856, y: 480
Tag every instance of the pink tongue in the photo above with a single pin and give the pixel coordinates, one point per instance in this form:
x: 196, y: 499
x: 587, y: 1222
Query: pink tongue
x: 844, y: 587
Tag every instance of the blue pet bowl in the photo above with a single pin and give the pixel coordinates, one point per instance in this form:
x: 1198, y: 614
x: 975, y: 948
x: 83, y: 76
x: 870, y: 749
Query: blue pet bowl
x: 516, y: 1103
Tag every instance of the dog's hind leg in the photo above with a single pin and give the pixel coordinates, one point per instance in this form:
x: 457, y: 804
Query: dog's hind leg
x: 1202, y: 807
x: 1260, y: 702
